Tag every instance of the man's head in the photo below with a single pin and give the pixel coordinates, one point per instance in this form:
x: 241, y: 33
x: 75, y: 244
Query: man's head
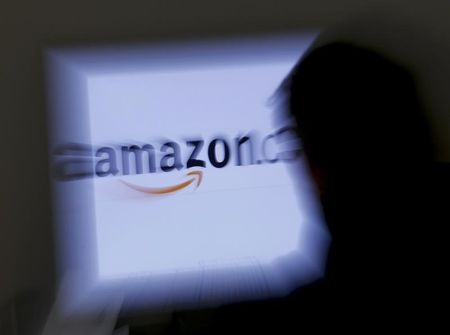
x: 358, y: 115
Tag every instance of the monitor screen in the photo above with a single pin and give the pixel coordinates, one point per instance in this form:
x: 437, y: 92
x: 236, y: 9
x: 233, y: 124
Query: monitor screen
x: 175, y: 182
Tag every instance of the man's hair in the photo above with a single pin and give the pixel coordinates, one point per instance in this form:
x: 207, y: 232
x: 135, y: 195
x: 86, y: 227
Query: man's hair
x: 352, y: 104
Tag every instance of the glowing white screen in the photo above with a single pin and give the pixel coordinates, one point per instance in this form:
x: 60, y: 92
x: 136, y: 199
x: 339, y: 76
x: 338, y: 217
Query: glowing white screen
x: 249, y: 217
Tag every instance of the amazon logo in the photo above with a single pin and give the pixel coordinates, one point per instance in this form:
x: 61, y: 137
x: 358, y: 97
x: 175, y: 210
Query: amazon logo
x: 74, y: 161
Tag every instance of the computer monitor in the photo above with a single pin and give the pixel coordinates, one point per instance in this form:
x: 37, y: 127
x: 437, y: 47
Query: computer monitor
x: 175, y: 181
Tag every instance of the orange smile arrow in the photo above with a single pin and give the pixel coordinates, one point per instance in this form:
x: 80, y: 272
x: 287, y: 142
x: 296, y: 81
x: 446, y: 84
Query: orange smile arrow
x: 169, y: 189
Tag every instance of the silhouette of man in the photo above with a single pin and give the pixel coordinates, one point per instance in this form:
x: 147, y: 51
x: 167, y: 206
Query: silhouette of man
x: 371, y: 138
